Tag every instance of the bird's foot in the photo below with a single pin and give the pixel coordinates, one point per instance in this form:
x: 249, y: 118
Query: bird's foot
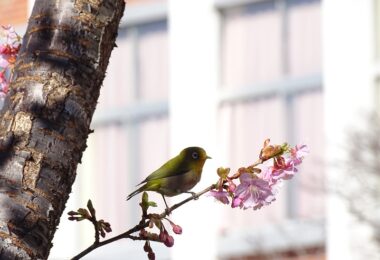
x: 167, y: 209
x: 194, y: 195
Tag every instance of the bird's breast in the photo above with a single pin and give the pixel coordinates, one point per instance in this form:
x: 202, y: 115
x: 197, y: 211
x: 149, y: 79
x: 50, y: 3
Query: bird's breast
x: 181, y: 183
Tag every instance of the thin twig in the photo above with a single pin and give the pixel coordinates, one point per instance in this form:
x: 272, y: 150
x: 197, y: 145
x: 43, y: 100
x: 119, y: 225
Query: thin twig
x: 96, y: 227
x: 140, y: 226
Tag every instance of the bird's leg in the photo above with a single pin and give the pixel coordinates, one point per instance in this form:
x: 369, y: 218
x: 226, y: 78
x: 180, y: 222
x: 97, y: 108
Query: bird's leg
x: 195, y: 197
x: 167, y: 210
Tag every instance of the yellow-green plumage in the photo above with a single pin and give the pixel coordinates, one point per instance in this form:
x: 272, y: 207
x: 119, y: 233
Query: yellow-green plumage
x: 176, y: 176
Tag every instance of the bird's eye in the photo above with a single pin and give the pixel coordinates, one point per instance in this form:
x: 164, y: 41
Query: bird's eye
x: 195, y: 155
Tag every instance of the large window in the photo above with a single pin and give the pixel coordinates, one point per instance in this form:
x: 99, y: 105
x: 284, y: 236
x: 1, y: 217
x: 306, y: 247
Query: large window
x: 271, y: 86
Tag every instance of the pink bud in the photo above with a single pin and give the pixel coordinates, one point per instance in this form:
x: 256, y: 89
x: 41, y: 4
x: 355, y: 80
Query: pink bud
x: 177, y: 229
x: 163, y: 235
x: 169, y: 242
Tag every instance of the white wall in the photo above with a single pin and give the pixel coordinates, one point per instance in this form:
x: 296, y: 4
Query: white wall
x: 348, y: 89
x: 193, y: 37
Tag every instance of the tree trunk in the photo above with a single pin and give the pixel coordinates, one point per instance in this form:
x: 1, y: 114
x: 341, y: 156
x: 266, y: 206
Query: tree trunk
x: 45, y: 120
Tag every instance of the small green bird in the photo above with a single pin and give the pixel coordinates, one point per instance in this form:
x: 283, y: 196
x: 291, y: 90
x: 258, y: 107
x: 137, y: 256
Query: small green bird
x: 178, y: 175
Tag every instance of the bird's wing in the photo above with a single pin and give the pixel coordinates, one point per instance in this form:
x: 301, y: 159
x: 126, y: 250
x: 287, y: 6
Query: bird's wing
x: 171, y: 168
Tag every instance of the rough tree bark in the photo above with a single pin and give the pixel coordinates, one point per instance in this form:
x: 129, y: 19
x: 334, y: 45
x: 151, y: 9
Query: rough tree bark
x: 45, y: 120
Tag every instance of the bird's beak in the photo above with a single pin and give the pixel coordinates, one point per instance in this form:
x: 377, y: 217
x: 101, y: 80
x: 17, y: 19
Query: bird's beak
x: 208, y: 157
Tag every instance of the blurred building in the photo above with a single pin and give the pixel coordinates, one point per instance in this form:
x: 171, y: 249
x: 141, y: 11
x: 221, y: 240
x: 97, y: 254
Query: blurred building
x: 225, y: 75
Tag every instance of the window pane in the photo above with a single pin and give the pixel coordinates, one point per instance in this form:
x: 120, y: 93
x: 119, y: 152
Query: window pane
x: 309, y: 129
x: 138, y: 67
x: 243, y: 129
x: 105, y: 174
x: 153, y: 62
x: 153, y: 149
x: 154, y: 145
x: 249, y: 124
x: 118, y: 87
x: 304, y: 37
x: 252, y: 41
x: 251, y: 47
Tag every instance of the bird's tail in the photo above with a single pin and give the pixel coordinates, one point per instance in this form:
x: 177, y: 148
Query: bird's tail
x: 149, y: 186
x: 135, y: 193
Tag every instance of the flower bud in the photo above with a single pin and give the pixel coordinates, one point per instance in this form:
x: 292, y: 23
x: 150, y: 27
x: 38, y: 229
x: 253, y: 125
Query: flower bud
x: 151, y: 255
x: 270, y: 151
x: 72, y: 213
x: 147, y: 247
x: 177, y: 229
x: 223, y: 172
x: 169, y: 242
x: 163, y: 235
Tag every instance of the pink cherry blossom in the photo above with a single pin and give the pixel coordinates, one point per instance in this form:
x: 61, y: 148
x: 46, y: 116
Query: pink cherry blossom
x: 298, y: 153
x: 284, y: 167
x: 221, y: 195
x: 258, y: 186
x: 252, y: 192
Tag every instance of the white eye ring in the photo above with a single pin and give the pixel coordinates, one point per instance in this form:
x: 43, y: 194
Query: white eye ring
x: 195, y: 155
